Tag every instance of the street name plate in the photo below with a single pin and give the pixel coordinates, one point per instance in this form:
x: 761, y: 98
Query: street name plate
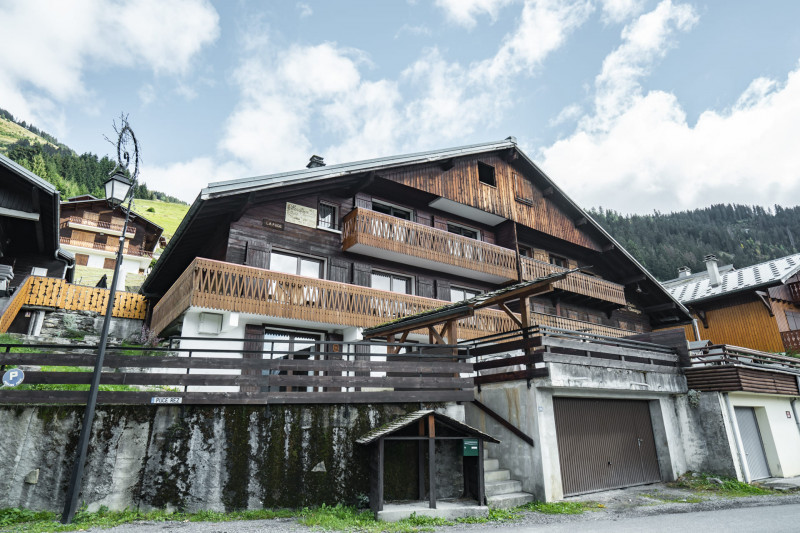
x: 166, y: 399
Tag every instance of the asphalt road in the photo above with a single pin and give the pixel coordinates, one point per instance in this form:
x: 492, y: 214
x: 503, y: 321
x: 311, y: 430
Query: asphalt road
x: 772, y: 519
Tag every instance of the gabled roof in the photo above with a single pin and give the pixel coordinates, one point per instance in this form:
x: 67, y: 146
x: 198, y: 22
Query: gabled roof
x: 408, y: 419
x: 88, y: 201
x: 697, y: 287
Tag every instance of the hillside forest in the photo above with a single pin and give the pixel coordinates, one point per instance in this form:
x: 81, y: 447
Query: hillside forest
x: 741, y: 235
x: 57, y: 163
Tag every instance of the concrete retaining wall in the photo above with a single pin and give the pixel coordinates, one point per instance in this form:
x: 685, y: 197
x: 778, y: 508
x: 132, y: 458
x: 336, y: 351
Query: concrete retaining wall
x: 218, y: 458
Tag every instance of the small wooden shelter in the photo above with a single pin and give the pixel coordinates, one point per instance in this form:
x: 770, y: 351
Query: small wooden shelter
x: 426, y: 427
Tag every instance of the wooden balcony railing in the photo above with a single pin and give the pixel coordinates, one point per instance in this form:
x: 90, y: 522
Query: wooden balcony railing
x: 576, y: 282
x: 57, y: 293
x: 794, y: 290
x: 129, y: 232
x: 580, y: 326
x: 127, y: 250
x: 435, y: 246
x: 791, y: 340
x: 228, y: 287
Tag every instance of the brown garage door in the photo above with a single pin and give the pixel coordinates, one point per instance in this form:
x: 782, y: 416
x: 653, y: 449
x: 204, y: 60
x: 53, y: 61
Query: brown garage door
x: 604, y: 444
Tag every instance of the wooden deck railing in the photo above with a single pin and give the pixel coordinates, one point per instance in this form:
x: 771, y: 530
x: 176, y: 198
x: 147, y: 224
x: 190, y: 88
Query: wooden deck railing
x: 53, y: 292
x: 362, y: 226
x: 580, y: 326
x: 101, y: 224
x: 723, y: 354
x: 106, y: 247
x: 791, y: 340
x: 15, y: 304
x: 329, y: 372
x: 576, y: 282
x: 228, y: 287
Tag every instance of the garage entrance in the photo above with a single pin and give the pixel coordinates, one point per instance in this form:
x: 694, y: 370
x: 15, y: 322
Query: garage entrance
x: 751, y: 440
x: 604, y: 444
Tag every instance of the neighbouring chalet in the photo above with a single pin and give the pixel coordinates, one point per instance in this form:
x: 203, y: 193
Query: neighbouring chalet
x: 29, y: 244
x: 319, y: 255
x: 742, y: 316
x: 756, y: 307
x: 91, y: 228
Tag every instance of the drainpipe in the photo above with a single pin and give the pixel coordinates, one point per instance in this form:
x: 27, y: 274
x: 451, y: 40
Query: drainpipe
x: 738, y: 438
x: 696, y: 329
x: 794, y: 410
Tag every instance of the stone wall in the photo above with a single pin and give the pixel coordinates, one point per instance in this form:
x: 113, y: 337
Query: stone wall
x: 194, y: 458
x: 63, y: 323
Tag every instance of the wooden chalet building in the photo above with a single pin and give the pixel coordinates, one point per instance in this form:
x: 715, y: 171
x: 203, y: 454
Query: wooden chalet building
x: 742, y: 317
x: 284, y: 261
x: 756, y: 307
x: 91, y: 228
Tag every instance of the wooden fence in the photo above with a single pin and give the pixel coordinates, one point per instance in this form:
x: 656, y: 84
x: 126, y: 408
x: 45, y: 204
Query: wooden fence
x: 362, y: 226
x: 326, y: 373
x: 791, y: 340
x: 58, y: 294
x: 131, y: 230
x: 228, y: 287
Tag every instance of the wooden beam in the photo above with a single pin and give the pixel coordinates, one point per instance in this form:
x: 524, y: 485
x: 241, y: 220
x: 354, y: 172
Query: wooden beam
x: 511, y: 315
x: 432, y: 461
x: 535, y: 289
x: 437, y: 338
x: 609, y: 247
x: 581, y: 222
x: 361, y: 184
x: 633, y: 279
x: 701, y: 314
x: 447, y: 164
x: 547, y: 192
x: 39, y: 230
x: 15, y: 213
x: 764, y: 297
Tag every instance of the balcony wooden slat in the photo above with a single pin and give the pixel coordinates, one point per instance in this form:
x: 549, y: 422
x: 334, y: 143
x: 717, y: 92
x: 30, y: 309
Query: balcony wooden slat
x: 54, y: 292
x: 385, y: 232
x: 576, y: 282
x: 791, y: 340
x: 572, y: 324
x: 106, y: 247
x: 102, y: 224
x: 228, y: 287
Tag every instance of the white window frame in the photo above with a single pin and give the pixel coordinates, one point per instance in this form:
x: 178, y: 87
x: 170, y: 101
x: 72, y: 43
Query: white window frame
x: 465, y: 289
x: 464, y: 226
x: 284, y: 251
x: 412, y: 216
x: 411, y: 279
x: 335, y: 208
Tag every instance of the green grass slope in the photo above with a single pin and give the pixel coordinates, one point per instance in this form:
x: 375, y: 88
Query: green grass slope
x: 167, y: 215
x: 11, y: 133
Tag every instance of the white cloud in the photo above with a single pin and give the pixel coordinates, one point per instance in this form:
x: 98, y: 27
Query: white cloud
x: 184, y: 180
x: 304, y: 9
x: 638, y: 152
x: 568, y: 114
x: 464, y: 12
x: 71, y: 38
x: 543, y: 28
x: 420, y: 29
x: 147, y: 94
x: 616, y: 11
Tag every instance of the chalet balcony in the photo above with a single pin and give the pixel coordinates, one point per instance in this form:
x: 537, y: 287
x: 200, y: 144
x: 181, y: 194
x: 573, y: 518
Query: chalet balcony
x: 578, y: 326
x: 576, y: 283
x: 102, y: 246
x: 92, y: 225
x: 386, y: 237
x: 794, y: 291
x: 228, y: 287
x: 791, y: 340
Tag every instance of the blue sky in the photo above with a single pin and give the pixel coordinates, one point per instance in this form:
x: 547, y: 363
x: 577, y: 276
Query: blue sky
x: 635, y: 105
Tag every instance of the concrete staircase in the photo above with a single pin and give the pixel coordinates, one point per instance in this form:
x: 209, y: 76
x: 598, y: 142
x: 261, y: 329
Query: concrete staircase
x: 501, y: 490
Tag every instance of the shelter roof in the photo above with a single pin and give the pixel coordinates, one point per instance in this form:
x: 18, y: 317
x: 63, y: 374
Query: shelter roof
x: 406, y: 420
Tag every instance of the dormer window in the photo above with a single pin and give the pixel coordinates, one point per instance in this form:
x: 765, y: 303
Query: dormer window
x: 486, y: 174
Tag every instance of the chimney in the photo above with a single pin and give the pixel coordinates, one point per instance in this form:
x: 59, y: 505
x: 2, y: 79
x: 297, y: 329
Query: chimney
x: 684, y: 272
x: 713, y: 270
x: 315, y: 161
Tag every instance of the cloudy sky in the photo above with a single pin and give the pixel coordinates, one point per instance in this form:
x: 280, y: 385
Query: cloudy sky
x: 635, y: 105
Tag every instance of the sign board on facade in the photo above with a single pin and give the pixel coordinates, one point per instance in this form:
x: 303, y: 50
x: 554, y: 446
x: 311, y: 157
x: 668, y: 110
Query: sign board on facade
x: 301, y: 215
x: 166, y: 399
x: 13, y: 377
x: 272, y: 224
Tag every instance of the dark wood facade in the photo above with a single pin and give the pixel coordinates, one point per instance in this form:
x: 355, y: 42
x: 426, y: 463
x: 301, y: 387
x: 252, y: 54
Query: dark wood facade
x: 738, y: 379
x: 442, y: 251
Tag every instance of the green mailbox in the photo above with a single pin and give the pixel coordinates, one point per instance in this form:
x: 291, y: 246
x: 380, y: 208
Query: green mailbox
x: 470, y: 447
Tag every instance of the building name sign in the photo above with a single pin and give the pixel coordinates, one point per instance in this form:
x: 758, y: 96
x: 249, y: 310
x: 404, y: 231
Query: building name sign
x: 272, y: 224
x: 301, y: 215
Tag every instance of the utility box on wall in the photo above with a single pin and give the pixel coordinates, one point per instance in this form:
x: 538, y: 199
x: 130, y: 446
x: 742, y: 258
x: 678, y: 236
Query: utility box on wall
x: 470, y: 447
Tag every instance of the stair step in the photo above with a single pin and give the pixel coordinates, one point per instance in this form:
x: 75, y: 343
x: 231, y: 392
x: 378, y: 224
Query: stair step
x: 512, y: 499
x: 496, y: 475
x: 491, y: 464
x: 494, y: 488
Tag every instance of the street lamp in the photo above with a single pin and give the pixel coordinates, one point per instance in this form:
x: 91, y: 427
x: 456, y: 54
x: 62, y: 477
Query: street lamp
x: 118, y: 188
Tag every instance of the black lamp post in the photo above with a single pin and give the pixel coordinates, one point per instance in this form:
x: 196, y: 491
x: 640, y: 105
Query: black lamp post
x: 118, y: 187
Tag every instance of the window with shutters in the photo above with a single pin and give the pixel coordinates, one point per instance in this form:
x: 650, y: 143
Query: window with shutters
x: 387, y: 281
x: 299, y: 265
x: 459, y: 294
x: 109, y: 263
x: 328, y: 216
x: 523, y: 190
x: 81, y: 259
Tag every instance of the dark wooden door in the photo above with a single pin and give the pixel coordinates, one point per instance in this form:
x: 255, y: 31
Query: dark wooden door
x: 604, y: 444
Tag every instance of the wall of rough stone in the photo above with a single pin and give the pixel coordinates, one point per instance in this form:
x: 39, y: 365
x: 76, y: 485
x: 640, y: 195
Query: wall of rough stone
x: 64, y: 323
x: 197, y: 457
